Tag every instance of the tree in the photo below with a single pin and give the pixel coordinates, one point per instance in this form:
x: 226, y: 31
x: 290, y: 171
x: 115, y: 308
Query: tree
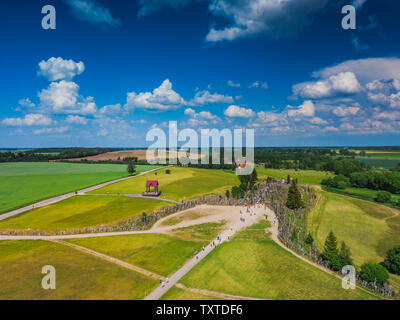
x: 168, y: 171
x: 345, y: 255
x: 383, y: 196
x: 392, y: 261
x: 309, y: 239
x: 373, y: 272
x: 144, y: 217
x: 330, y: 247
x: 253, y: 178
x: 131, y: 168
x: 288, y: 179
x: 294, y: 200
x: 227, y: 194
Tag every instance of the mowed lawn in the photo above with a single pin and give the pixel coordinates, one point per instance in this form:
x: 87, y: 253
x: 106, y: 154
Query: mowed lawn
x: 183, y: 294
x: 159, y: 253
x: 25, y: 183
x: 303, y: 176
x: 252, y: 265
x: 369, y: 229
x: 82, y: 211
x: 78, y: 275
x: 181, y: 183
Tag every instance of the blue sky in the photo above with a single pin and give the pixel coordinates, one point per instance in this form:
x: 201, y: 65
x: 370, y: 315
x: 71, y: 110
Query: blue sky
x: 114, y: 69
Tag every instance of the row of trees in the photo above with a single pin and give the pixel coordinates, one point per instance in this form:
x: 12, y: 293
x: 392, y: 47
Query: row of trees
x: 49, y: 154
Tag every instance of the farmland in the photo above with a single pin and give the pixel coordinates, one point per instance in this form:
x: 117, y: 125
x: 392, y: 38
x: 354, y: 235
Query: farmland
x: 181, y: 183
x: 25, y: 183
x: 80, y: 212
x: 79, y: 276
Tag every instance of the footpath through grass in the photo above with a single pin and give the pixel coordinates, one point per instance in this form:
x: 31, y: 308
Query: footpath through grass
x: 181, y: 183
x: 253, y: 265
x: 79, y: 276
x: 24, y: 183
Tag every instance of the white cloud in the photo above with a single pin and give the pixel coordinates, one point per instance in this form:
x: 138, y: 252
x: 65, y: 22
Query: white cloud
x: 162, y: 98
x: 29, y: 120
x: 239, y: 112
x: 51, y: 130
x: 343, y: 111
x: 318, y: 121
x: 26, y: 103
x: 252, y: 17
x: 111, y: 110
x: 307, y: 109
x: 232, y: 84
x: 259, y: 84
x: 63, y: 98
x: 205, y: 97
x: 76, y: 120
x: 201, y: 118
x: 60, y: 69
x: 102, y: 133
x: 343, y: 83
x: 366, y: 70
x: 92, y: 11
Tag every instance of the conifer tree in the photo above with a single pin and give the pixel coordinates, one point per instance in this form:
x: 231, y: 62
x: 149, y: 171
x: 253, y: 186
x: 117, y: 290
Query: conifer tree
x: 345, y: 255
x: 330, y: 247
x: 294, y: 200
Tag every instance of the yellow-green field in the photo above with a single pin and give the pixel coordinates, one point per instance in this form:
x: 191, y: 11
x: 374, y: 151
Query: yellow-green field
x: 182, y: 294
x: 24, y: 183
x: 369, y: 229
x: 82, y: 211
x: 180, y: 184
x: 161, y: 254
x: 252, y: 265
x: 78, y: 275
x: 303, y: 176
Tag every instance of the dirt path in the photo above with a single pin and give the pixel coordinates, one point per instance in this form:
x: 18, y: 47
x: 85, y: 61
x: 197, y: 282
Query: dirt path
x: 214, y: 293
x: 110, y: 259
x: 233, y: 225
x: 66, y: 196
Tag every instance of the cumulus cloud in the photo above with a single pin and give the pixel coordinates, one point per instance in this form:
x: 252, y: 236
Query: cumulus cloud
x: 239, y: 112
x: 63, y: 98
x: 343, y: 111
x: 318, y: 121
x: 26, y: 103
x: 366, y: 70
x: 59, y: 69
x: 205, y: 97
x: 252, y: 17
x: 163, y: 98
x: 29, y: 120
x: 76, y: 120
x: 92, y: 11
x: 111, y: 110
x: 343, y: 83
x: 307, y: 109
x: 201, y: 118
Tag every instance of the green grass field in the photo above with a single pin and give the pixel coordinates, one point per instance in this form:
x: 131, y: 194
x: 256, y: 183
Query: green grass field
x: 386, y: 162
x: 367, y: 228
x: 368, y: 193
x: 252, y: 265
x: 78, y: 275
x: 161, y: 254
x: 25, y: 183
x: 82, y: 211
x: 181, y: 183
x: 304, y: 176
x: 182, y: 294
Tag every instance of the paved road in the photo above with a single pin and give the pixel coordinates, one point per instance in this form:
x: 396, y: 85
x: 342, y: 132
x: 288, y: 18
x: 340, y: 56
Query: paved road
x: 66, y: 196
